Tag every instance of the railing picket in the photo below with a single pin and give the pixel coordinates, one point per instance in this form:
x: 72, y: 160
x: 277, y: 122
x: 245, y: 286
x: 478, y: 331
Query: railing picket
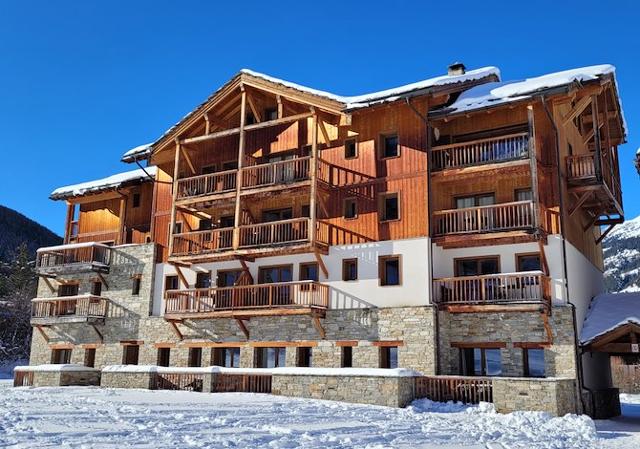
x: 495, y: 149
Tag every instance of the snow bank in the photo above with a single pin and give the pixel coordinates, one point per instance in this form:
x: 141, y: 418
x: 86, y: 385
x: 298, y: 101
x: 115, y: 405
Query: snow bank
x: 609, y: 311
x: 100, y: 185
x: 54, y: 368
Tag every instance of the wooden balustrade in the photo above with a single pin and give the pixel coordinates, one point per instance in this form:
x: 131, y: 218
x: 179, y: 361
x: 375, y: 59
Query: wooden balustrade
x: 496, y: 217
x: 522, y: 287
x: 201, y: 242
x: 202, y: 185
x: 275, y: 232
x: 94, y: 255
x: 178, y: 381
x: 581, y: 167
x: 477, y: 152
x: 468, y: 390
x: 81, y: 306
x: 281, y: 172
x: 245, y: 297
x: 241, y: 383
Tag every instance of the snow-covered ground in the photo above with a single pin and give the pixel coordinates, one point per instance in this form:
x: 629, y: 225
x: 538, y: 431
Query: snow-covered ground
x: 87, y: 417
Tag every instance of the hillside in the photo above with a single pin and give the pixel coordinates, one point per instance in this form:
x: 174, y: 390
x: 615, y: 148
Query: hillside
x: 16, y: 229
x: 622, y: 257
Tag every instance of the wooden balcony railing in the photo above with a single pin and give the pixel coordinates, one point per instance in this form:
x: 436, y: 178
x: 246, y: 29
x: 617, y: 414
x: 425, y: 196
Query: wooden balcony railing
x: 496, y: 217
x: 274, y: 233
x: 468, y: 390
x: 201, y: 242
x: 91, y: 255
x: 522, y: 287
x: 478, y: 152
x: 219, y: 182
x: 307, y: 294
x: 282, y: 172
x: 63, y: 307
x: 582, y: 169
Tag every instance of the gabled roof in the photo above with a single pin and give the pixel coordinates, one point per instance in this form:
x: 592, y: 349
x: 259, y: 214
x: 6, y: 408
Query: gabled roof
x: 500, y: 93
x: 608, y: 312
x: 112, y: 182
x: 339, y: 102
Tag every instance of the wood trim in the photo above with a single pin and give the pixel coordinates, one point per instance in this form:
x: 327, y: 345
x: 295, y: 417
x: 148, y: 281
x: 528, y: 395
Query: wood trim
x: 344, y: 144
x: 282, y: 344
x: 527, y: 254
x: 531, y: 344
x: 307, y: 264
x: 387, y: 343
x: 345, y: 261
x: 131, y: 342
x: 381, y: 206
x: 456, y: 272
x: 479, y: 345
x: 381, y: 260
x: 61, y: 346
x: 342, y: 343
x: 164, y: 345
x: 380, y: 141
x: 91, y: 345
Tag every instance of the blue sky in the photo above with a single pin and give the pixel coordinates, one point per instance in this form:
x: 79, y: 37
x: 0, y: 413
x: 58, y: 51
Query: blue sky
x: 82, y: 82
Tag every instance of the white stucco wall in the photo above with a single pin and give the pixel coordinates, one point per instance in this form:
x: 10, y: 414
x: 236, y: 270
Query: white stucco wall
x: 365, y: 292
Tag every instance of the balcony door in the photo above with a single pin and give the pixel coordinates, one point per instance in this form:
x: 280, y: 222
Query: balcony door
x: 477, y: 219
x: 276, y: 295
x: 282, y: 173
x: 280, y: 233
x: 67, y: 307
x: 225, y: 279
x: 477, y: 289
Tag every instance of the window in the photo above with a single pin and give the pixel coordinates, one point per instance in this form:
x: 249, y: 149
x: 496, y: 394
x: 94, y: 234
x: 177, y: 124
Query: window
x: 96, y: 288
x: 390, y: 147
x: 90, y: 357
x: 208, y: 169
x: 389, y: 270
x: 195, y: 357
x: 350, y: 149
x: 130, y: 354
x: 485, y: 199
x: 528, y: 262
x: 227, y: 278
x: 481, y: 362
x: 135, y: 288
x: 389, y: 207
x: 305, y: 211
x: 164, y: 356
x: 249, y: 119
x: 533, y: 362
x: 227, y: 221
x: 136, y: 200
x: 309, y: 271
x: 477, y: 266
x: 203, y: 280
x: 171, y: 283
x: 304, y: 357
x: 388, y: 357
x: 524, y: 195
x: 70, y: 289
x: 269, y: 275
x: 177, y: 227
x: 204, y: 224
x: 346, y: 357
x: 350, y: 269
x: 61, y: 356
x: 277, y: 215
x: 270, y: 114
x: 350, y: 208
x: 227, y: 357
x: 269, y: 357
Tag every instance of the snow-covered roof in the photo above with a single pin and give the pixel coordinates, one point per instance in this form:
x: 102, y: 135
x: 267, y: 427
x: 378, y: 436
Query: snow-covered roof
x: 498, y: 93
x: 607, y: 312
x: 101, y: 185
x: 54, y: 368
x: 137, y: 153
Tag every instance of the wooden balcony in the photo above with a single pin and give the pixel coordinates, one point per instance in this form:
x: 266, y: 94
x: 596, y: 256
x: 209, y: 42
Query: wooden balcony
x: 68, y: 309
x: 207, y: 185
x: 494, y: 218
x: 282, y: 173
x: 203, y: 242
x: 77, y: 257
x: 287, y: 298
x: 285, y: 232
x: 514, y: 288
x: 595, y: 183
x: 480, y: 152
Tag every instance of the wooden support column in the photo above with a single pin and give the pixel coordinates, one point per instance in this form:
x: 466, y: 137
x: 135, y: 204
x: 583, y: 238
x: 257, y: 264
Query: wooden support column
x: 533, y: 164
x: 43, y: 333
x: 188, y: 159
x: 71, y: 210
x: 175, y: 329
x: 238, y: 209
x: 243, y: 327
x: 318, y: 325
x: 49, y: 284
x: 321, y: 263
x: 280, y: 106
x: 181, y: 276
x: 97, y: 331
x: 580, y: 202
x: 207, y: 124
x: 596, y: 137
x: 245, y: 271
x: 123, y: 216
x: 313, y: 168
x: 176, y: 169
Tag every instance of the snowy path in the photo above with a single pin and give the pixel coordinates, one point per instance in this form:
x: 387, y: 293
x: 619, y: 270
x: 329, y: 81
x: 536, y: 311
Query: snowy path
x: 93, y: 418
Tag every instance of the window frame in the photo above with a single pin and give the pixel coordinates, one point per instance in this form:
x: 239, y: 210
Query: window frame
x: 526, y: 369
x: 353, y: 260
x: 204, y: 273
x: 64, y: 356
x: 136, y: 284
x: 305, y: 353
x: 344, y: 356
x: 382, y: 273
x: 463, y: 369
x: 136, y: 200
x: 126, y: 348
x: 525, y: 189
x: 383, y: 145
x: 305, y: 265
x: 456, y: 271
x: 95, y: 290
x: 475, y: 196
x: 164, y: 350
x: 264, y: 268
x: 520, y: 256
x: 261, y: 357
x: 382, y: 206
x: 384, y: 357
x: 90, y: 357
x: 166, y: 278
x: 355, y: 148
x: 194, y: 355
x: 350, y: 200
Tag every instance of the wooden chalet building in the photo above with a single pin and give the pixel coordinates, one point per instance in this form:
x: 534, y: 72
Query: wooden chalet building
x: 451, y: 226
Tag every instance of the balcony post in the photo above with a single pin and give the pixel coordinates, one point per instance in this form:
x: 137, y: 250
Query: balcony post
x: 596, y: 138
x: 533, y: 163
x: 238, y: 209
x: 176, y: 169
x: 314, y: 186
x: 71, y: 209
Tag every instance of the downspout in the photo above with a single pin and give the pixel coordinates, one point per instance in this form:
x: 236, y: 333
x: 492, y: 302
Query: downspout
x: 578, y: 356
x: 436, y: 330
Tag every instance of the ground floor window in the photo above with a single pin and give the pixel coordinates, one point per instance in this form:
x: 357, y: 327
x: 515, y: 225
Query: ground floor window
x: 480, y: 362
x: 90, y: 357
x: 164, y: 356
x: 304, y: 356
x: 269, y: 357
x: 130, y: 354
x: 61, y: 356
x: 346, y: 357
x: 533, y: 362
x: 195, y: 357
x: 388, y: 357
x: 228, y: 357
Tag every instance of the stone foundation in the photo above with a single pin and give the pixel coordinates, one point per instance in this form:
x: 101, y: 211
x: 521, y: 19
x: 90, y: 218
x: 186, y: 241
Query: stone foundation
x: 47, y: 378
x: 118, y: 379
x: 555, y: 396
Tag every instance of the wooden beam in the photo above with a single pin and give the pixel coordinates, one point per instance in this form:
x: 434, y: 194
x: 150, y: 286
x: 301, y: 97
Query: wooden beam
x: 122, y: 238
x: 245, y: 270
x: 176, y: 169
x: 597, y: 159
x: 50, y: 285
x: 188, y: 159
x: 543, y: 258
x: 103, y: 280
x: 176, y: 329
x: 605, y: 233
x: 43, y: 333
x: 100, y: 336
x: 181, y: 275
x: 254, y: 110
x: 580, y: 202
x: 207, y: 124
x: 533, y: 165
x: 70, y: 213
x: 280, y: 106
x: 580, y: 106
x: 238, y: 203
x: 318, y: 325
x: 547, y: 327
x: 325, y: 134
x: 313, y: 168
x: 321, y: 264
x: 243, y: 327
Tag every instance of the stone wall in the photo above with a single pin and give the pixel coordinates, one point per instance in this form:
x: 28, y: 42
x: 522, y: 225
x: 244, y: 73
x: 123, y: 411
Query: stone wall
x: 386, y: 391
x: 118, y: 379
x: 555, y: 396
x: 66, y: 378
x: 510, y: 329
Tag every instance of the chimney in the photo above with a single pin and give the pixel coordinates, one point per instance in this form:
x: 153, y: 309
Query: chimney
x: 457, y: 68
